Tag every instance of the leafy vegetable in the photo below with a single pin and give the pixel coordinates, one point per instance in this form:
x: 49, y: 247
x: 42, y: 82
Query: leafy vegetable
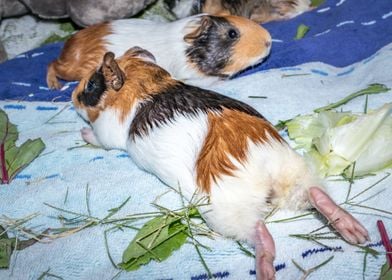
x: 334, y: 141
x: 159, y: 237
x: 8, y: 245
x: 156, y: 240
x: 301, y: 31
x: 13, y: 159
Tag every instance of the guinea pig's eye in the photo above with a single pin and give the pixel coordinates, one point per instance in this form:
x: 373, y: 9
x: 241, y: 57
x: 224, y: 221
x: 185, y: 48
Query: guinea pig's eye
x: 90, y: 86
x: 232, y: 34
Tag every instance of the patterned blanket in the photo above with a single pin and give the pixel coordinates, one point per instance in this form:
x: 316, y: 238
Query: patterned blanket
x: 347, y: 48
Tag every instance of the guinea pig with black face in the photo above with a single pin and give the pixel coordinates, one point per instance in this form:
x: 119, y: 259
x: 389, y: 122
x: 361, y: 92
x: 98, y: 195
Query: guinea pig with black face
x: 206, y: 143
x: 198, y: 50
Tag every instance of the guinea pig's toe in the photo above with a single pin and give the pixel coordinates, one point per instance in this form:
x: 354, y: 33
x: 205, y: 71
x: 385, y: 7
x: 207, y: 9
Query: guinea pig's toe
x: 54, y: 84
x: 350, y: 228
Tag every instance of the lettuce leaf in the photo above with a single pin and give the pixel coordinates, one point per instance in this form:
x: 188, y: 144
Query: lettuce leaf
x: 333, y: 141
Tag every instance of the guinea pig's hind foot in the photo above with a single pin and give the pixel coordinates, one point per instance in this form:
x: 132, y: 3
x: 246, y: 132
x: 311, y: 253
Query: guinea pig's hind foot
x: 265, y: 253
x: 351, y: 230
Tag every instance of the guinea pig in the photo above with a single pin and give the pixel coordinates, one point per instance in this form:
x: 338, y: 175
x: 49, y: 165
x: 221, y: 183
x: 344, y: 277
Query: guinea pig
x: 199, y: 50
x: 206, y: 143
x: 258, y: 10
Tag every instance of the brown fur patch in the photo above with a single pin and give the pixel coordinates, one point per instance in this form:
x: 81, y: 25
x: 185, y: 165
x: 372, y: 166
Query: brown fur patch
x: 142, y: 79
x: 254, y: 43
x: 274, y: 10
x: 228, y: 135
x: 214, y: 7
x: 81, y: 54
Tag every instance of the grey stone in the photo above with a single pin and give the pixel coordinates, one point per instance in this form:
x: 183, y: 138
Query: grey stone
x: 88, y: 12
x: 48, y: 9
x: 12, y: 8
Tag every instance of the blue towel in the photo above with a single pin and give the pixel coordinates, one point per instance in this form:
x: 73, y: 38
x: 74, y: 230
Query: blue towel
x: 341, y: 33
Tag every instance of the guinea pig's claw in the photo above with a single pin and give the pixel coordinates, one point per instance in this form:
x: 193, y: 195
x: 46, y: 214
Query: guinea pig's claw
x: 349, y: 227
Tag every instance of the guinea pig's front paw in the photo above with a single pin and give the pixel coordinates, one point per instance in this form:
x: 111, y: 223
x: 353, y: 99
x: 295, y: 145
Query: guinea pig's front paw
x: 89, y: 136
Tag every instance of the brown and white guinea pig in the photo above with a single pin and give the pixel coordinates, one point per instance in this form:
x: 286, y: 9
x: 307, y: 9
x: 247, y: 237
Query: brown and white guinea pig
x: 198, y: 50
x: 258, y: 10
x: 206, y: 143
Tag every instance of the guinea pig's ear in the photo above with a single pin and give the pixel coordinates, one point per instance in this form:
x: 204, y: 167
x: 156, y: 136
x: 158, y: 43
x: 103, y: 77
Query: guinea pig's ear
x: 203, y: 25
x: 140, y: 53
x: 114, y: 76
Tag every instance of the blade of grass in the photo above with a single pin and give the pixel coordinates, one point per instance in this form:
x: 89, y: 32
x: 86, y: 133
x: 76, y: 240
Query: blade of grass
x: 370, y: 187
x: 107, y: 248
x: 371, y: 89
x: 245, y: 251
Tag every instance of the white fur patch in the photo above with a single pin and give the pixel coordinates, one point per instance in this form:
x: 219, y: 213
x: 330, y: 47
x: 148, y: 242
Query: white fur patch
x: 110, y: 131
x: 164, y: 40
x: 170, y: 151
x: 239, y: 202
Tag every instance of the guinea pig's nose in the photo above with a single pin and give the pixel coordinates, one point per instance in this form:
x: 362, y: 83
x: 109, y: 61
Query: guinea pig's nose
x: 267, y: 44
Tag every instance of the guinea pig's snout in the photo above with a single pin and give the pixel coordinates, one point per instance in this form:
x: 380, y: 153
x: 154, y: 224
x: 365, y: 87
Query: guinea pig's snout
x: 267, y: 44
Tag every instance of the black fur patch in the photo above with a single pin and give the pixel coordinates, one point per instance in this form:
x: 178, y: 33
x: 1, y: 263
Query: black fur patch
x: 184, y: 100
x: 95, y: 87
x: 212, y: 49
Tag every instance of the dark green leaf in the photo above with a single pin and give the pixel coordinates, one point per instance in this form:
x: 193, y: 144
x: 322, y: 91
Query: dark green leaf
x: 3, y: 233
x: 8, y: 131
x: 6, y: 246
x: 12, y: 158
x: 386, y: 272
x: 156, y: 240
x: 26, y: 153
